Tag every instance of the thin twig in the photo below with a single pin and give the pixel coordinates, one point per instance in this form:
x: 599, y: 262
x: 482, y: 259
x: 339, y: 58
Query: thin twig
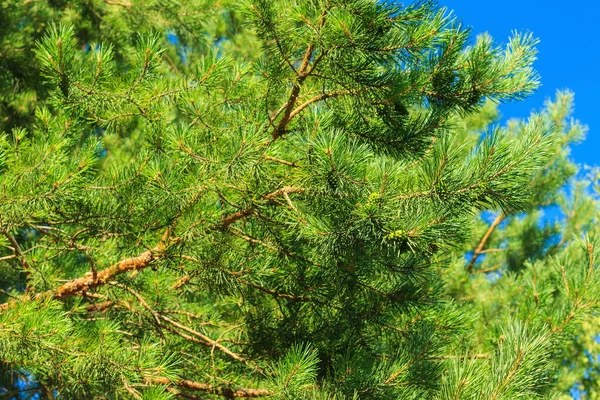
x: 479, y: 250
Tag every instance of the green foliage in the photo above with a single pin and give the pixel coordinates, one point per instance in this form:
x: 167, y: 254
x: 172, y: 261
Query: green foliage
x: 275, y: 198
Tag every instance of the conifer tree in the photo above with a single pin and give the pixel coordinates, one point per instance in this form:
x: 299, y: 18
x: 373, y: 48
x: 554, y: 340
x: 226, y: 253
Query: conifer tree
x: 287, y: 200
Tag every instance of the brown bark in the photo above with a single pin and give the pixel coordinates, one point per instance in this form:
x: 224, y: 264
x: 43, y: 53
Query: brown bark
x: 226, y: 221
x: 218, y: 390
x: 88, y: 282
x: 479, y: 250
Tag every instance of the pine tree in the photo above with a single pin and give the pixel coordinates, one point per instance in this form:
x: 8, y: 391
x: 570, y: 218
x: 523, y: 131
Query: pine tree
x: 284, y: 199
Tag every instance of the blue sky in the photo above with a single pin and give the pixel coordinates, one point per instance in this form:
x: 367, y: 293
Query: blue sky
x: 568, y: 58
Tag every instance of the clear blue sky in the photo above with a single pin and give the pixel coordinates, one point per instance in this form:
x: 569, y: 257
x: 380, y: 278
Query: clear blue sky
x: 568, y: 58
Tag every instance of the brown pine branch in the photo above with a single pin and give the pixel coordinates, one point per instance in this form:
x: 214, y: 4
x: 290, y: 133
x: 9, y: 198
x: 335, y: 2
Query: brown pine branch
x: 263, y: 289
x: 477, y: 356
x: 511, y: 374
x: 302, y: 75
x: 479, y: 250
x: 322, y: 96
x: 16, y: 248
x: 83, y: 284
x: 216, y: 390
x: 305, y: 70
x: 209, y: 342
x: 124, y: 4
x: 202, y: 338
x: 100, y: 307
x: 493, y: 268
x: 283, y: 191
x: 104, y: 276
x: 276, y: 293
x: 230, y: 219
x: 279, y: 160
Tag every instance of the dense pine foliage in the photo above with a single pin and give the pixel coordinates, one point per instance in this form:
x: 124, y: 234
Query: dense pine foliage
x: 285, y: 199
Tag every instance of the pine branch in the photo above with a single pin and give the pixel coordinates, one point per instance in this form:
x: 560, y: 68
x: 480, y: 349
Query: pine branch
x: 16, y: 249
x: 275, y: 37
x: 104, y: 276
x: 230, y: 219
x: 306, y: 68
x: 302, y: 75
x: 493, y: 268
x: 274, y: 293
x: 205, y: 340
x: 279, y: 160
x: 390, y: 380
x: 119, y: 3
x: 216, y: 390
x: 100, y: 307
x: 477, y: 356
x: 284, y: 191
x: 83, y: 284
x: 209, y: 342
x: 517, y: 363
x: 321, y: 97
x: 479, y: 249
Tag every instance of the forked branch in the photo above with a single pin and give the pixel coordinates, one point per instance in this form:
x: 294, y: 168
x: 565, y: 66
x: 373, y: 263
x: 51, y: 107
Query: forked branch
x: 479, y: 250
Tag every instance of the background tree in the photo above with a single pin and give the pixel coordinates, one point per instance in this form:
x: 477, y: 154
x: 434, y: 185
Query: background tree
x: 275, y: 199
